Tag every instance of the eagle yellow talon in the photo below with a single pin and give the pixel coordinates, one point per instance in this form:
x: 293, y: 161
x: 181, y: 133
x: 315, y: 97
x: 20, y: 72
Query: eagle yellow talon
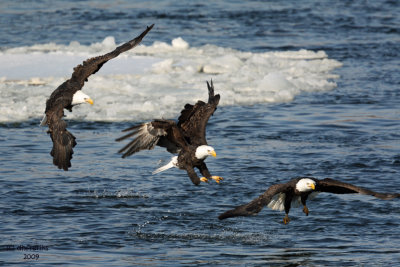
x: 217, y: 178
x: 204, y: 179
x: 286, y: 220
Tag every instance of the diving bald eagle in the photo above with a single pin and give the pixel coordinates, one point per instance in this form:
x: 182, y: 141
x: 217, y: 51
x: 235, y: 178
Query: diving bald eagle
x: 296, y: 191
x: 187, y: 138
x: 68, y: 95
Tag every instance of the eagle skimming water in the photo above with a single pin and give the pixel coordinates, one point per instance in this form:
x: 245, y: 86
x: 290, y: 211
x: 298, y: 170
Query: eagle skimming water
x: 298, y: 190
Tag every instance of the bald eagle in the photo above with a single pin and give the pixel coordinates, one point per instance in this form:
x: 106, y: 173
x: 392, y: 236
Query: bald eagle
x: 187, y: 137
x: 68, y: 95
x: 296, y: 191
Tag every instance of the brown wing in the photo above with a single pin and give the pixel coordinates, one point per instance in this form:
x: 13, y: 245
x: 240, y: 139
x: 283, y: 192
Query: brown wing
x: 92, y: 65
x: 333, y: 186
x: 164, y: 133
x: 63, y: 141
x: 257, y: 204
x: 81, y: 73
x: 193, y: 119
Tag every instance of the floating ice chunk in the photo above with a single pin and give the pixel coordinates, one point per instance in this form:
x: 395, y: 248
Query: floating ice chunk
x: 109, y: 42
x: 163, y: 66
x: 179, y: 43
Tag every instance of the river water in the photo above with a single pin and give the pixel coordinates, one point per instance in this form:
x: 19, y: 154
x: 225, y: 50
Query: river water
x: 307, y: 88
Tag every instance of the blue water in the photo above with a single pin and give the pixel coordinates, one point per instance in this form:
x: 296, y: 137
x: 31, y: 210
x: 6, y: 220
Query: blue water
x: 111, y: 212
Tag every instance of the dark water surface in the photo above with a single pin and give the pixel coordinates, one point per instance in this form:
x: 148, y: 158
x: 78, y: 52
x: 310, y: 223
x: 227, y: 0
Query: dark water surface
x: 112, y: 212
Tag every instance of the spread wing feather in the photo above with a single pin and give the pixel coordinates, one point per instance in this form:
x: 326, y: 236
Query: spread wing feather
x: 193, y: 119
x: 93, y: 65
x: 163, y: 133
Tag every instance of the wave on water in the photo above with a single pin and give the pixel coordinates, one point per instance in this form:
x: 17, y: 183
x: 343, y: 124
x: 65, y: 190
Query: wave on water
x: 125, y: 193
x: 156, y: 81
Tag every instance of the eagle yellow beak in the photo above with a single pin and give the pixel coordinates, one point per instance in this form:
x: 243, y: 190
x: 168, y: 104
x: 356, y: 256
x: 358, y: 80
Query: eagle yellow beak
x: 212, y: 153
x: 312, y: 186
x: 90, y: 101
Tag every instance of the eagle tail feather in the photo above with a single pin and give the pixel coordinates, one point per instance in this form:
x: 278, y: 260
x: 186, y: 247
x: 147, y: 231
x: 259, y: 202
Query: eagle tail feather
x: 43, y: 122
x: 171, y: 164
x: 63, y: 149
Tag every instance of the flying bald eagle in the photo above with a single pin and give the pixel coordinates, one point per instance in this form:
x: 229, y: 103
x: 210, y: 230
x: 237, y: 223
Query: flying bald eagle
x: 68, y: 95
x: 295, y: 192
x: 187, y: 138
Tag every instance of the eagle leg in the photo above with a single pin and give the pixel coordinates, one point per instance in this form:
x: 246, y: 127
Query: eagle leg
x: 286, y: 220
x: 287, y: 204
x: 303, y: 201
x: 305, y: 210
x: 193, y: 176
x: 206, y: 174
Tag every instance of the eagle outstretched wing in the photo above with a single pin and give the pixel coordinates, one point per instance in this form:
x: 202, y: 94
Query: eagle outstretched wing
x: 193, y: 119
x: 337, y: 187
x: 257, y: 204
x: 93, y: 65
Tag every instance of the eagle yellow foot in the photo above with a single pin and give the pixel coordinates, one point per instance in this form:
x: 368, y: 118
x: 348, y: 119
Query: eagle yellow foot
x: 204, y: 179
x: 217, y: 178
x: 305, y: 210
x: 286, y: 220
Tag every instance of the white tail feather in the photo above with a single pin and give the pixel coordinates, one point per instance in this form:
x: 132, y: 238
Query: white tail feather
x: 277, y: 202
x: 171, y: 164
x: 44, y: 120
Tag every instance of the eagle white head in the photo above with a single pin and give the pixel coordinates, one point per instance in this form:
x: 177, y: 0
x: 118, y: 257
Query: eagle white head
x: 203, y: 152
x: 305, y: 185
x: 80, y: 97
